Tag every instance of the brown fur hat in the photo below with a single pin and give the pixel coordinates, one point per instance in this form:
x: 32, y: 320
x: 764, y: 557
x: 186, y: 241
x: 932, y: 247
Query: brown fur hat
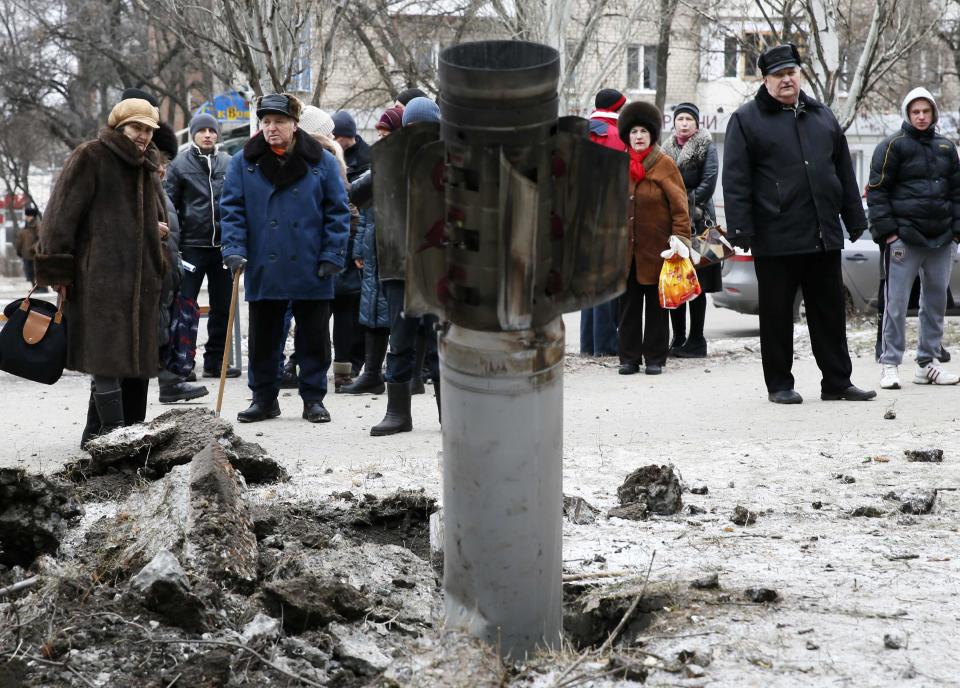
x: 640, y: 113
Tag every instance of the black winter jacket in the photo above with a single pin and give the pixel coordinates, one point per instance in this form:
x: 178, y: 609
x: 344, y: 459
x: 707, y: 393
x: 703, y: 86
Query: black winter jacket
x: 788, y: 178
x: 914, y: 189
x: 700, y: 167
x: 194, y: 183
x: 357, y: 158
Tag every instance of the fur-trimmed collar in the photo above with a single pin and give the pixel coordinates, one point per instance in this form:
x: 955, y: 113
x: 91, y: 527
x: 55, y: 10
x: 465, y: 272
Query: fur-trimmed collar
x: 127, y: 150
x: 306, y: 151
x: 694, y: 151
x: 652, y: 157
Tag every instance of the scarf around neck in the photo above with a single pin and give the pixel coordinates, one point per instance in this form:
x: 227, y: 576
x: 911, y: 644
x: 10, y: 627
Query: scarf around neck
x: 681, y: 140
x: 637, y: 171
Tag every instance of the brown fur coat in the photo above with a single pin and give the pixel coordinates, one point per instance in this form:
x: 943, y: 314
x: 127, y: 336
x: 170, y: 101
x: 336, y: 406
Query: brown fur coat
x: 658, y: 209
x: 100, y: 237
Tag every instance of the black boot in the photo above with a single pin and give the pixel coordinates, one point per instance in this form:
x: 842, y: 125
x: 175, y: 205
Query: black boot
x: 92, y: 427
x: 110, y: 409
x: 678, y: 323
x: 398, y: 411
x: 288, y: 377
x: 371, y: 379
x: 181, y: 391
x: 258, y: 411
x: 416, y: 382
x: 692, y: 348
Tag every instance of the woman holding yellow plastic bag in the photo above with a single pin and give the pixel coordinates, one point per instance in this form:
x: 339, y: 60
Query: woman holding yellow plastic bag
x: 657, y: 212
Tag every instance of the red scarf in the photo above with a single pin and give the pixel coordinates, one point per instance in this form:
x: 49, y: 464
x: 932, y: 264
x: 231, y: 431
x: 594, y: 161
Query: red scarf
x: 637, y: 171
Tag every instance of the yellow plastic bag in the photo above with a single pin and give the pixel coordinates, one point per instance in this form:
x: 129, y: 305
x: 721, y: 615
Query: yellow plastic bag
x: 678, y: 282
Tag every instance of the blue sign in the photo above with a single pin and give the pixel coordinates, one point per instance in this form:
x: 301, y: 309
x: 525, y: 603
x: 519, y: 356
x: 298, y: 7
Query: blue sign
x: 227, y: 108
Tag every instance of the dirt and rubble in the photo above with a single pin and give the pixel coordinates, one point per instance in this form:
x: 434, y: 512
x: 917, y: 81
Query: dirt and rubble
x: 807, y: 594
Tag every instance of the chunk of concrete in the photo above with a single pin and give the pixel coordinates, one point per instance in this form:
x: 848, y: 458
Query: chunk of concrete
x: 357, y: 650
x: 197, y: 512
x: 309, y: 601
x: 260, y: 628
x: 165, y: 589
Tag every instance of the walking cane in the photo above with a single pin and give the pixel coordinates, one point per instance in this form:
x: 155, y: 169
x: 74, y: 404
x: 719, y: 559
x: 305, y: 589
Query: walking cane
x: 226, y: 346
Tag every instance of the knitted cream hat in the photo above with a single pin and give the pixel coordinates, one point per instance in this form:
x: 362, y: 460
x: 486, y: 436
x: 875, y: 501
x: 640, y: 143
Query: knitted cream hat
x: 313, y: 120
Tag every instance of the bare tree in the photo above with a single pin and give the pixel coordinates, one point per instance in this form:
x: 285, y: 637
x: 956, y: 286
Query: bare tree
x: 851, y: 45
x: 668, y: 10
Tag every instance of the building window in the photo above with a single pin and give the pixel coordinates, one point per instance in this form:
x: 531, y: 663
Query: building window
x: 731, y: 53
x: 753, y: 46
x: 642, y: 67
x: 302, y: 81
x: 425, y: 58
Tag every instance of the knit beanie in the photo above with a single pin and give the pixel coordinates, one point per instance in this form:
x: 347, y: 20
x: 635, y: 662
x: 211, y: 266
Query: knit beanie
x: 420, y: 109
x: 690, y: 109
x: 609, y: 99
x: 406, y: 96
x: 343, y: 125
x: 313, y: 121
x: 640, y: 113
x: 391, y: 119
x: 203, y: 120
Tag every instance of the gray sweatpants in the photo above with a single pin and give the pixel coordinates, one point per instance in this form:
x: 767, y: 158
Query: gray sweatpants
x: 903, y: 263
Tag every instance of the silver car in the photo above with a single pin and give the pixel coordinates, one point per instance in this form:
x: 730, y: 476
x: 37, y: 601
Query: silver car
x: 860, y: 261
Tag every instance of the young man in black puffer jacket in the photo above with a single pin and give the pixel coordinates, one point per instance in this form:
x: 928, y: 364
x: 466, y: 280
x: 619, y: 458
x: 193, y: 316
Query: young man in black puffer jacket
x: 914, y: 203
x: 194, y: 183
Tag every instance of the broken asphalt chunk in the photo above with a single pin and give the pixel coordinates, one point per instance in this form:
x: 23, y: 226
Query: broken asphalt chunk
x: 743, y: 517
x: 924, y: 455
x: 761, y: 595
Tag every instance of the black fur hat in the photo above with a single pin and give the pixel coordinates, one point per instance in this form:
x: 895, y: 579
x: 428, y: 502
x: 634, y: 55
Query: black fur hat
x: 641, y: 113
x: 129, y: 93
x: 165, y: 139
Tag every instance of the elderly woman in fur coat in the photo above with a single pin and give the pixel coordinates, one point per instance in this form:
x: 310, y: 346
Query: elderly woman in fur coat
x: 696, y: 156
x: 657, y: 210
x: 101, y: 244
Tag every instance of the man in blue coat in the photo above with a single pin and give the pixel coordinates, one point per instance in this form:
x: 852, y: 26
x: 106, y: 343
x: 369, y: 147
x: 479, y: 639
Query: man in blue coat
x: 285, y: 222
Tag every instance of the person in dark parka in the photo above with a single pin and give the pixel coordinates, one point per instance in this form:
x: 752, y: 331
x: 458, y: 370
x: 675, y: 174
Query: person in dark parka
x: 598, y: 324
x: 787, y: 180
x: 374, y: 318
x: 194, y: 182
x: 914, y: 202
x: 696, y: 156
x: 285, y: 223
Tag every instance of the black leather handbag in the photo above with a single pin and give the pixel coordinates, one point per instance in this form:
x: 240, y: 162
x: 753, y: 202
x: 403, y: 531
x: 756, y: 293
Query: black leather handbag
x: 33, y: 341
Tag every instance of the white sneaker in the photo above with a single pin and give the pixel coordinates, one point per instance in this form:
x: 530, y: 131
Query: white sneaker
x: 889, y: 377
x: 933, y: 374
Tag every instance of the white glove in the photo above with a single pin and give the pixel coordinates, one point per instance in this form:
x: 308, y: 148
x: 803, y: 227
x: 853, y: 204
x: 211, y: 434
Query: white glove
x: 677, y: 248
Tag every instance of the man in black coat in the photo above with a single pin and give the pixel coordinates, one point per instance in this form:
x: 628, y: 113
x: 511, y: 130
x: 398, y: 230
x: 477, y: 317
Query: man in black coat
x: 914, y: 202
x: 194, y: 183
x: 787, y: 181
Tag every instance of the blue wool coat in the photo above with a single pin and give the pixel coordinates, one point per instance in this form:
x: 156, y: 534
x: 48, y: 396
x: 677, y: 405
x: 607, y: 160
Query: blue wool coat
x: 285, y: 219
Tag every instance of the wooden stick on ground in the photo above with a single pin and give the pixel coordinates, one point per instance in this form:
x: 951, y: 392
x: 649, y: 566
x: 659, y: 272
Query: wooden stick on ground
x: 226, y: 346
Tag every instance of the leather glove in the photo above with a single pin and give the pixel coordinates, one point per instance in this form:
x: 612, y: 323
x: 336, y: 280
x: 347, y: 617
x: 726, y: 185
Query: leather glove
x: 328, y: 269
x: 741, y: 242
x: 856, y: 234
x: 234, y: 263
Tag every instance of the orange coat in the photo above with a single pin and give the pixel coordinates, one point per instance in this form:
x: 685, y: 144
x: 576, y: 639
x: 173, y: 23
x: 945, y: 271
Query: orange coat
x: 657, y: 209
